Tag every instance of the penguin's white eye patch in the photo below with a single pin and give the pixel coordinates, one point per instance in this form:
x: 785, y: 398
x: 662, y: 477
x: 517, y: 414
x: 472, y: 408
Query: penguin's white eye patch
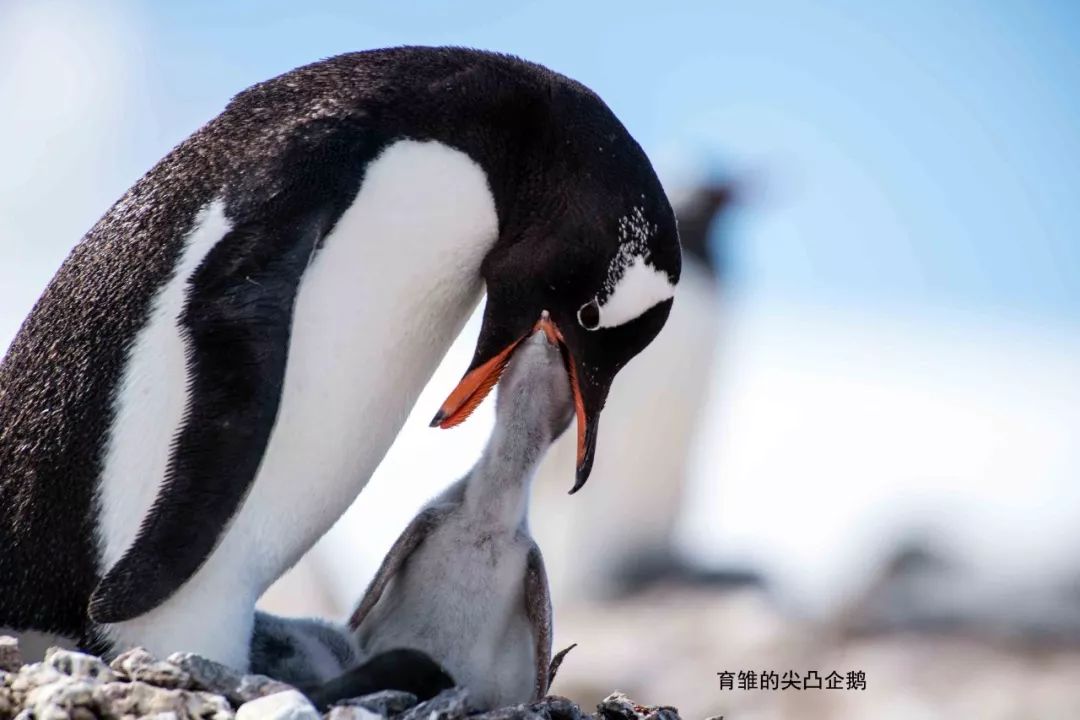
x: 633, y: 285
x: 639, y: 288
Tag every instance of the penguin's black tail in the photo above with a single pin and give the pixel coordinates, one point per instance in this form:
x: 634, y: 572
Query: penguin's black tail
x: 403, y: 669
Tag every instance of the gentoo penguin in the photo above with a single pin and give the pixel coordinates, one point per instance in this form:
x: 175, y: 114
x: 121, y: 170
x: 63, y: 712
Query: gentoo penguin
x: 645, y: 478
x: 220, y: 364
x: 465, y: 582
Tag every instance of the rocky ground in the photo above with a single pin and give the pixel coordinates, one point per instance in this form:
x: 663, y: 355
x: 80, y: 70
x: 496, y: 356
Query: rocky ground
x: 672, y: 645
x: 76, y: 686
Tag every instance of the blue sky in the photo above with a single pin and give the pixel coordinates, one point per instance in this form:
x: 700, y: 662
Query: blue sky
x: 914, y: 154
x: 907, y: 153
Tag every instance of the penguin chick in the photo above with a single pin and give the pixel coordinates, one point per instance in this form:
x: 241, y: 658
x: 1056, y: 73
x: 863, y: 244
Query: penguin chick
x: 465, y: 582
x: 303, y: 652
x: 321, y: 659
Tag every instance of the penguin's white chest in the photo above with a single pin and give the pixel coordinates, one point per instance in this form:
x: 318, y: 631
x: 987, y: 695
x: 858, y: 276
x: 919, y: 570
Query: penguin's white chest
x: 382, y: 300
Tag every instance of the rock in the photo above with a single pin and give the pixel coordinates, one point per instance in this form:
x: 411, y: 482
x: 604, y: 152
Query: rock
x: 10, y: 657
x: 447, y: 705
x: 138, y: 664
x: 79, y: 665
x: 205, y: 705
x: 128, y: 698
x: 214, y: 677
x: 386, y: 702
x: 556, y: 707
x: 71, y: 685
x: 139, y: 698
x: 664, y: 712
x: 30, y: 677
x: 517, y: 712
x: 64, y: 699
x: 352, y: 712
x: 288, y: 705
x: 619, y: 707
x: 253, y: 687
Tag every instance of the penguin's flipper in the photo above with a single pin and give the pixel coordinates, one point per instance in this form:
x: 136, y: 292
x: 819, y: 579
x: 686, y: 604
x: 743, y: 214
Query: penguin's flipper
x: 538, y: 610
x: 556, y: 662
x: 410, y: 539
x: 237, y: 322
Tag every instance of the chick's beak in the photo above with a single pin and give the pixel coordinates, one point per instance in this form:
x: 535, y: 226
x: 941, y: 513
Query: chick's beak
x: 479, y: 381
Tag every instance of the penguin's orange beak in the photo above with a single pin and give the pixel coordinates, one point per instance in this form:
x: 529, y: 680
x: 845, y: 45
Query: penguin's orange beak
x: 478, y: 382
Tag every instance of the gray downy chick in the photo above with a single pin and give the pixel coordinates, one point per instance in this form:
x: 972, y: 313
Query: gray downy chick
x: 465, y: 582
x: 321, y: 660
x: 303, y: 652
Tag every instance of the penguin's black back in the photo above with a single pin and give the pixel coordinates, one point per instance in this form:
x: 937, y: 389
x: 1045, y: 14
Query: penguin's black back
x: 60, y: 376
x: 57, y: 383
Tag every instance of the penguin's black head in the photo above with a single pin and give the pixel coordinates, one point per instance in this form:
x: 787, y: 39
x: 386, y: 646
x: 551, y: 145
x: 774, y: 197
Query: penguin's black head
x: 590, y: 237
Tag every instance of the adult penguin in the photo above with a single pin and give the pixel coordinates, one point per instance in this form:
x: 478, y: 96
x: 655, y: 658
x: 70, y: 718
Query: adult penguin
x: 220, y: 364
x: 647, y: 479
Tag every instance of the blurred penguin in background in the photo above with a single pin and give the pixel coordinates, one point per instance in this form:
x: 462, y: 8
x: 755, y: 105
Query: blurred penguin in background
x: 616, y: 537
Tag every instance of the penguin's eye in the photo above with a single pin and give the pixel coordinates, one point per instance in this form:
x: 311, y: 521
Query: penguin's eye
x: 588, y: 315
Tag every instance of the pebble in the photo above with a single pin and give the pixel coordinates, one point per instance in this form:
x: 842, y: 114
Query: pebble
x: 288, y: 705
x: 79, y: 665
x: 63, y: 699
x: 663, y: 713
x: 221, y: 679
x: 556, y: 707
x: 206, y: 674
x: 517, y: 712
x: 253, y: 687
x: 352, y: 712
x: 138, y: 664
x: 70, y: 685
x: 10, y: 657
x: 447, y: 705
x: 386, y: 703
x: 619, y: 707
x: 32, y: 676
x: 139, y: 698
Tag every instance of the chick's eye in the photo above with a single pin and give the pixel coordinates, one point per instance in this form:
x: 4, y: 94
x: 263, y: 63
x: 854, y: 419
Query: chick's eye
x: 588, y: 315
